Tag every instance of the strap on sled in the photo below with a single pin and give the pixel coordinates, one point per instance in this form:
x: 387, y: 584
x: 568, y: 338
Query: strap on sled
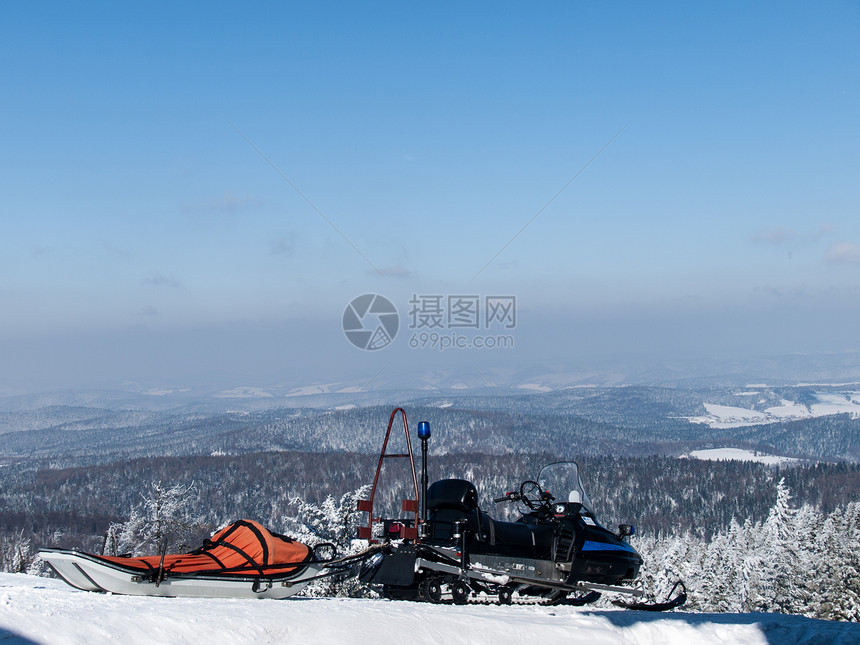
x: 160, y: 576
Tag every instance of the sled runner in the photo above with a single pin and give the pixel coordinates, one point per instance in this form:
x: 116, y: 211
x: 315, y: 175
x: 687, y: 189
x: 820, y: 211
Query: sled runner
x: 242, y: 560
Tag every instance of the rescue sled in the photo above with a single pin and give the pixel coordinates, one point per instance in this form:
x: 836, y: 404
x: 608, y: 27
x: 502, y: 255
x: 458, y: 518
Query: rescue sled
x: 242, y: 560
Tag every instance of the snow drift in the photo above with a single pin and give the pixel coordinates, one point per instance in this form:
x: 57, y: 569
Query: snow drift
x: 46, y: 611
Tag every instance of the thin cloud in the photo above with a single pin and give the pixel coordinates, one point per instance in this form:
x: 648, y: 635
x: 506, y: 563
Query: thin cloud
x: 283, y: 246
x: 843, y: 253
x: 768, y: 290
x: 116, y: 251
x: 160, y: 280
x: 781, y: 235
x: 782, y: 292
x: 822, y: 230
x: 397, y: 271
x: 227, y: 204
x: 775, y: 236
x: 148, y: 311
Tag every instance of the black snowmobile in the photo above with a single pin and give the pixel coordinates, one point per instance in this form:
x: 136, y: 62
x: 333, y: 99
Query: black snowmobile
x: 452, y: 551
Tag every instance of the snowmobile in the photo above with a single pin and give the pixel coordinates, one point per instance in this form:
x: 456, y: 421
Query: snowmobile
x: 450, y: 550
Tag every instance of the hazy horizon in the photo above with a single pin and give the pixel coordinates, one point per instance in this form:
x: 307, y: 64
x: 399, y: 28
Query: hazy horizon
x: 194, y: 196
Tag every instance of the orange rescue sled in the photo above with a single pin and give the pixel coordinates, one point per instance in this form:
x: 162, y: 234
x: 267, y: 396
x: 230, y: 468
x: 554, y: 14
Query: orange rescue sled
x: 242, y: 560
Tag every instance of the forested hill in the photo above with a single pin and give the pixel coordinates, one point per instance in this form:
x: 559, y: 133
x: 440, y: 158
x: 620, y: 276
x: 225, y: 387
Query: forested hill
x: 69, y: 436
x: 657, y: 494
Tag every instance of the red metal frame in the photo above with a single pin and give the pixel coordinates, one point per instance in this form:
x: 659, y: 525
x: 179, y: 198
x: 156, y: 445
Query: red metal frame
x: 408, y: 505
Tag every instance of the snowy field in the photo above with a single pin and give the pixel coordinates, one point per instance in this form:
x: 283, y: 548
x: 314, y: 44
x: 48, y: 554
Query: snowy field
x: 729, y: 416
x: 46, y: 611
x: 739, y: 454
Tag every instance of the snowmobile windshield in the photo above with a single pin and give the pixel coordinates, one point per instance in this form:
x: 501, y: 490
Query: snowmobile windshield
x: 562, y: 480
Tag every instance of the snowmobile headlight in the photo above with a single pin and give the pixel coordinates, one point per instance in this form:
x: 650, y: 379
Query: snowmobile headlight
x: 625, y: 530
x: 559, y: 509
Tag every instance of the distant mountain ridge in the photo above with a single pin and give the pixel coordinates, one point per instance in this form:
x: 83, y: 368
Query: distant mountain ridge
x: 810, y: 422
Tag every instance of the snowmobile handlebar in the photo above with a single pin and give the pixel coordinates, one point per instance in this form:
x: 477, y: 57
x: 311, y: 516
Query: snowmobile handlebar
x: 530, y: 494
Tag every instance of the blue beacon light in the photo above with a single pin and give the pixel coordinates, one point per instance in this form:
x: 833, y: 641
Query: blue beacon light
x: 423, y: 429
x: 424, y: 435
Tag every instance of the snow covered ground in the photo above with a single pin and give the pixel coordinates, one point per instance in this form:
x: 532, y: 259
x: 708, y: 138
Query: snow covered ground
x: 534, y: 387
x: 729, y: 416
x: 46, y: 611
x: 739, y: 454
x: 244, y: 393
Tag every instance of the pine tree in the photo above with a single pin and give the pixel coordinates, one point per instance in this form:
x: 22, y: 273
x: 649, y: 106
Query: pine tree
x: 839, y: 595
x: 22, y: 555
x: 717, y: 574
x: 808, y: 575
x: 335, y: 522
x: 751, y: 566
x: 736, y: 592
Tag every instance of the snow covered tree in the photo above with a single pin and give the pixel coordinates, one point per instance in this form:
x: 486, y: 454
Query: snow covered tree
x: 334, y: 521
x: 839, y: 568
x: 161, y: 520
x: 808, y: 575
x: 110, y: 546
x: 796, y: 562
x: 668, y: 559
x: 752, y: 563
x: 21, y: 554
x: 771, y: 581
x: 720, y: 567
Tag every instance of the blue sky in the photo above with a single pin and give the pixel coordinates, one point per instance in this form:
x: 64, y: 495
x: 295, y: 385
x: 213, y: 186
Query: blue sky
x: 136, y: 215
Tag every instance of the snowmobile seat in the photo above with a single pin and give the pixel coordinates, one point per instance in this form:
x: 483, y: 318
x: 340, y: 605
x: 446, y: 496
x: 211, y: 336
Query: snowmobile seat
x: 450, y: 501
x: 452, y: 494
x: 456, y: 500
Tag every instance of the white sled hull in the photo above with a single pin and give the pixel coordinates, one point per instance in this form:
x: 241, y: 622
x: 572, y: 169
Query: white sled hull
x: 90, y: 574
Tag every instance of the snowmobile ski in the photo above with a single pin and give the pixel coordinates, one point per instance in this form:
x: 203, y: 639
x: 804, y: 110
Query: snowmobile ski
x: 672, y: 601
